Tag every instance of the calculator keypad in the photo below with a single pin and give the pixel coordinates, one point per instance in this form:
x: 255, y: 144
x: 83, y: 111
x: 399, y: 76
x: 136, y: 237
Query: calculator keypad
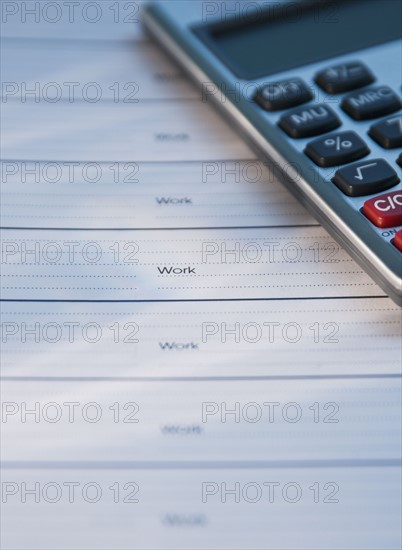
x: 362, y: 137
x: 336, y: 149
x: 309, y: 120
x: 388, y: 132
x: 366, y: 177
x: 285, y: 94
x: 344, y: 78
x: 371, y: 103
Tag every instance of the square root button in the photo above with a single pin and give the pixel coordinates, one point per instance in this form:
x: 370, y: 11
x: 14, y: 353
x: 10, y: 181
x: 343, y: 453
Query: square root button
x: 385, y: 210
x: 365, y: 177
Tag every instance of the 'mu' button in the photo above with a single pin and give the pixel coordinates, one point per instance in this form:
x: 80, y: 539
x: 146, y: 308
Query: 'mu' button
x: 309, y: 121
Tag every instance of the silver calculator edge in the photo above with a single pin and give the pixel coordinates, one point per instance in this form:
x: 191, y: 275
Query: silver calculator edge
x: 389, y: 281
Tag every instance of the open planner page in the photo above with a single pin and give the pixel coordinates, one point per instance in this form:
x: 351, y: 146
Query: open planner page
x: 189, y: 361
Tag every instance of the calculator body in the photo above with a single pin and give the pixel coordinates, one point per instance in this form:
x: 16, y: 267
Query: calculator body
x: 325, y: 112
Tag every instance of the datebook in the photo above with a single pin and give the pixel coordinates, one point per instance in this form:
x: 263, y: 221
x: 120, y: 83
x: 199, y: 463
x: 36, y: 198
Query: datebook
x: 189, y: 361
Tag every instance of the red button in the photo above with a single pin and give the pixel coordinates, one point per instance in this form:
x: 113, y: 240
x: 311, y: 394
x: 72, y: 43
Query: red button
x: 385, y: 210
x: 398, y: 240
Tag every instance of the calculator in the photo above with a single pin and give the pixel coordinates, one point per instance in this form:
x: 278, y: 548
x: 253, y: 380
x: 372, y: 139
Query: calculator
x: 315, y: 88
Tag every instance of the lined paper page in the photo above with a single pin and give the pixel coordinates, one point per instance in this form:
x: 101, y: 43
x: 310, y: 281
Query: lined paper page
x: 188, y: 359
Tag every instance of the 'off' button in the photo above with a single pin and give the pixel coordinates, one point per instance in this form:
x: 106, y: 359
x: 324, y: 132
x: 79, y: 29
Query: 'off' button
x: 385, y: 210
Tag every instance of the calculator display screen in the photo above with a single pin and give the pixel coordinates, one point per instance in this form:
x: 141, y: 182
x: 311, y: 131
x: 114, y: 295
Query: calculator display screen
x: 280, y: 37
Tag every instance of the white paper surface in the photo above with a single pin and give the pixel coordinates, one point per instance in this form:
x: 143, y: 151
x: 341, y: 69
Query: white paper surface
x: 188, y: 359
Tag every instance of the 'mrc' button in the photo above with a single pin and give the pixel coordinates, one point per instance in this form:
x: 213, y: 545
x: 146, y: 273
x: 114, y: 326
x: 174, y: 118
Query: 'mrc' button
x: 372, y: 103
x: 385, y: 210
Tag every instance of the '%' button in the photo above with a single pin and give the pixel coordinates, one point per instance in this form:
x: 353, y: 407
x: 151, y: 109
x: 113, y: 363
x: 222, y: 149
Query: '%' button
x: 385, y: 210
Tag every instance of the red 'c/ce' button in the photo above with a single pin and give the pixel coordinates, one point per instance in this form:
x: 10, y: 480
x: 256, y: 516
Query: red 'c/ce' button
x: 397, y: 240
x: 385, y: 210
